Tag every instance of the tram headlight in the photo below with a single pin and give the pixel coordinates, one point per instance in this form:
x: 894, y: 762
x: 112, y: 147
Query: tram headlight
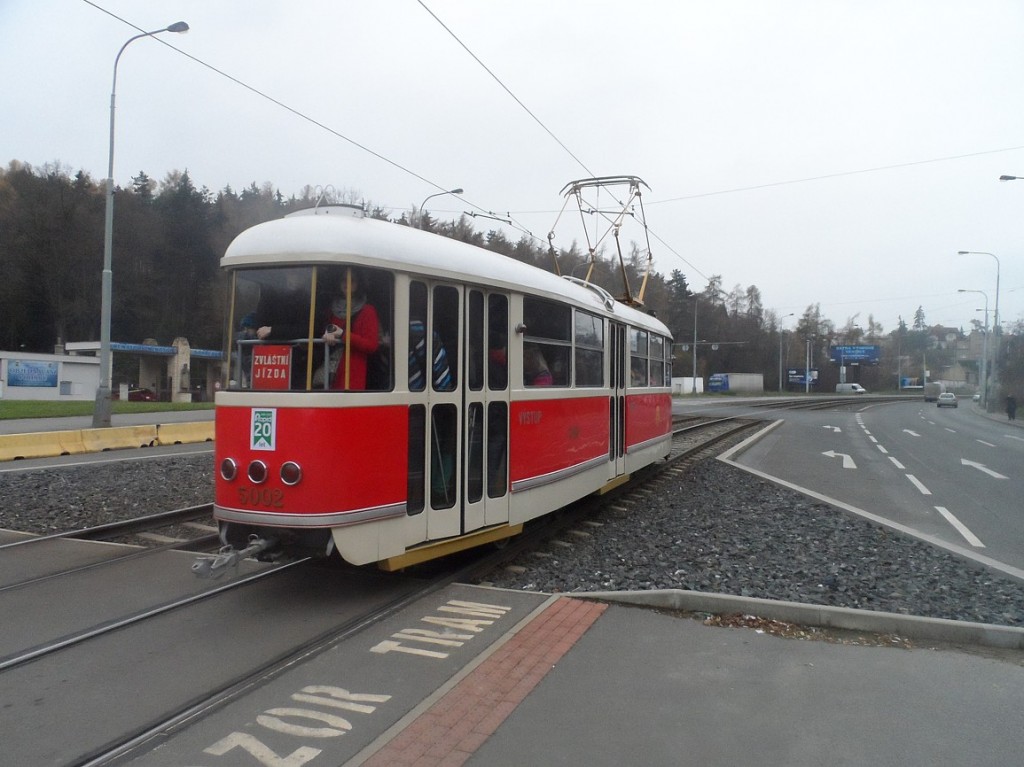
x: 228, y: 469
x: 257, y: 472
x: 291, y: 473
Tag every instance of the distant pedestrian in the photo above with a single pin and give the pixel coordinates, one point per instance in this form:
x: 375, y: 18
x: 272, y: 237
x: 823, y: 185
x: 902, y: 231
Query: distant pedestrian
x: 1011, y: 407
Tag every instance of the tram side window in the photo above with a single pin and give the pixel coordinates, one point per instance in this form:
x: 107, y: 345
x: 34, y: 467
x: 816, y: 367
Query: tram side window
x: 475, y: 341
x: 497, y: 449
x: 497, y: 342
x: 589, y: 349
x: 444, y: 344
x: 657, y: 361
x: 638, y: 351
x: 546, y: 352
x: 444, y: 433
x: 417, y: 336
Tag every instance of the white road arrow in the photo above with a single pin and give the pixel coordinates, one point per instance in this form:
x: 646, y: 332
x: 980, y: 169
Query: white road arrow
x: 912, y: 433
x: 847, y: 461
x: 982, y: 467
x: 835, y: 429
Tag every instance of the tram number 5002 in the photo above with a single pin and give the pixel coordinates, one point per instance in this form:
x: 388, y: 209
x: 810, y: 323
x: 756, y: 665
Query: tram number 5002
x: 261, y: 496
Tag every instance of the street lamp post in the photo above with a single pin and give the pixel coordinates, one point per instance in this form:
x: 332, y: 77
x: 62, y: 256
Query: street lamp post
x: 996, y: 327
x: 807, y: 368
x: 693, y: 378
x: 1011, y: 178
x: 995, y: 322
x: 781, y: 334
x: 436, y: 194
x: 101, y: 412
x: 984, y: 351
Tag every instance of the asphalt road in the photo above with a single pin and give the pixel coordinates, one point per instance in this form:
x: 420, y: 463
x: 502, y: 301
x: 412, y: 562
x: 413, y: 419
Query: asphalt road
x: 945, y: 473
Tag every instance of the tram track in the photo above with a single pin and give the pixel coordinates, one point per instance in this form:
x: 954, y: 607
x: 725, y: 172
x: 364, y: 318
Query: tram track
x: 113, y: 531
x: 80, y: 658
x: 107, y: 627
x: 190, y: 528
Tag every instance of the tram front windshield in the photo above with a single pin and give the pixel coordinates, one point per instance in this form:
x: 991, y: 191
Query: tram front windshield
x: 311, y: 328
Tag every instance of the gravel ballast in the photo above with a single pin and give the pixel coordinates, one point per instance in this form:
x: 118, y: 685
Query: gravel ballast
x: 713, y: 529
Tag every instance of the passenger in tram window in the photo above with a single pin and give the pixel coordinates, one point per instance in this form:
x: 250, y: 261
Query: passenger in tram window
x: 535, y: 367
x: 558, y: 362
x: 241, y: 360
x: 283, y: 310
x: 378, y: 367
x: 440, y: 372
x: 638, y: 371
x: 497, y: 367
x: 360, y: 342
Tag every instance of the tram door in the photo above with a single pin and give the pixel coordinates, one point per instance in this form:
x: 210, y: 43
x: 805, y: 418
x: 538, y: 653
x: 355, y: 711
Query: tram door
x: 435, y: 350
x: 485, y: 411
x: 618, y: 364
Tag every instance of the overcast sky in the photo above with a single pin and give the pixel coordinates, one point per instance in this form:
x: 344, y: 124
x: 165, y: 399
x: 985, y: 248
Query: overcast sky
x: 833, y: 152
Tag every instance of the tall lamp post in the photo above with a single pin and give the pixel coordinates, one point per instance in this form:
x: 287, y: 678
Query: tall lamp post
x: 101, y: 412
x: 984, y: 351
x: 807, y: 367
x: 995, y: 322
x: 781, y: 334
x: 996, y: 327
x: 693, y: 378
x: 436, y: 194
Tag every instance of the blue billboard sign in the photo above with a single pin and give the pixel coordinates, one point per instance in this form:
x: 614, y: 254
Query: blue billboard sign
x: 797, y: 377
x: 718, y: 382
x: 29, y: 373
x: 854, y: 355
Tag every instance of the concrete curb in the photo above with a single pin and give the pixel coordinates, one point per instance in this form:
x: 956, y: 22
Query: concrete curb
x: 49, y: 444
x: 907, y: 626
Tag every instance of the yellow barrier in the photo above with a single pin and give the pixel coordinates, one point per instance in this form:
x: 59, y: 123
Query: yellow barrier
x: 47, y: 444
x: 118, y: 437
x: 184, y: 433
x: 43, y: 444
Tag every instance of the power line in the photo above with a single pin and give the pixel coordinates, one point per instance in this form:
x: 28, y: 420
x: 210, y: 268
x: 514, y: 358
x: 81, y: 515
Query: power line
x: 282, y: 105
x: 506, y: 88
x: 836, y: 175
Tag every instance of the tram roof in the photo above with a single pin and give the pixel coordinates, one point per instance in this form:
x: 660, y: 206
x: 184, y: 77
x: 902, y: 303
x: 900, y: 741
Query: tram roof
x: 316, y: 237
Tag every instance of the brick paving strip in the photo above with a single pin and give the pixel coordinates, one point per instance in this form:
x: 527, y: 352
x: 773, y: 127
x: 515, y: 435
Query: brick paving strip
x: 454, y: 727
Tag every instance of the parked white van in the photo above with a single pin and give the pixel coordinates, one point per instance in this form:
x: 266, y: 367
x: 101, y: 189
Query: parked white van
x: 850, y: 388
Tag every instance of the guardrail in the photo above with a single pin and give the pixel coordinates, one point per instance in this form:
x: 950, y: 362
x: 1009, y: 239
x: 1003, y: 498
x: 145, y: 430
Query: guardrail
x: 48, y: 444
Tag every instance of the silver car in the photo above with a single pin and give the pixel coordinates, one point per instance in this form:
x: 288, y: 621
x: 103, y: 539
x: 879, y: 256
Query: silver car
x: 946, y: 399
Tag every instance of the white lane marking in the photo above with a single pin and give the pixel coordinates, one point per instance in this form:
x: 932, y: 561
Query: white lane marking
x: 886, y: 452
x: 961, y: 528
x: 982, y: 467
x: 983, y: 442
x: 1014, y: 436
x: 951, y: 431
x: 835, y: 429
x: 897, y: 464
x: 847, y: 461
x: 917, y: 483
x: 933, y: 540
x: 912, y: 433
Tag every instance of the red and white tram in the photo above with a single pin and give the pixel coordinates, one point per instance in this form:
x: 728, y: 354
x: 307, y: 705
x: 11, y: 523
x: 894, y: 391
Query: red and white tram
x: 493, y: 393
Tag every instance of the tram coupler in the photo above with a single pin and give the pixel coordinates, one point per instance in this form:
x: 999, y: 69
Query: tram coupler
x: 229, y: 556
